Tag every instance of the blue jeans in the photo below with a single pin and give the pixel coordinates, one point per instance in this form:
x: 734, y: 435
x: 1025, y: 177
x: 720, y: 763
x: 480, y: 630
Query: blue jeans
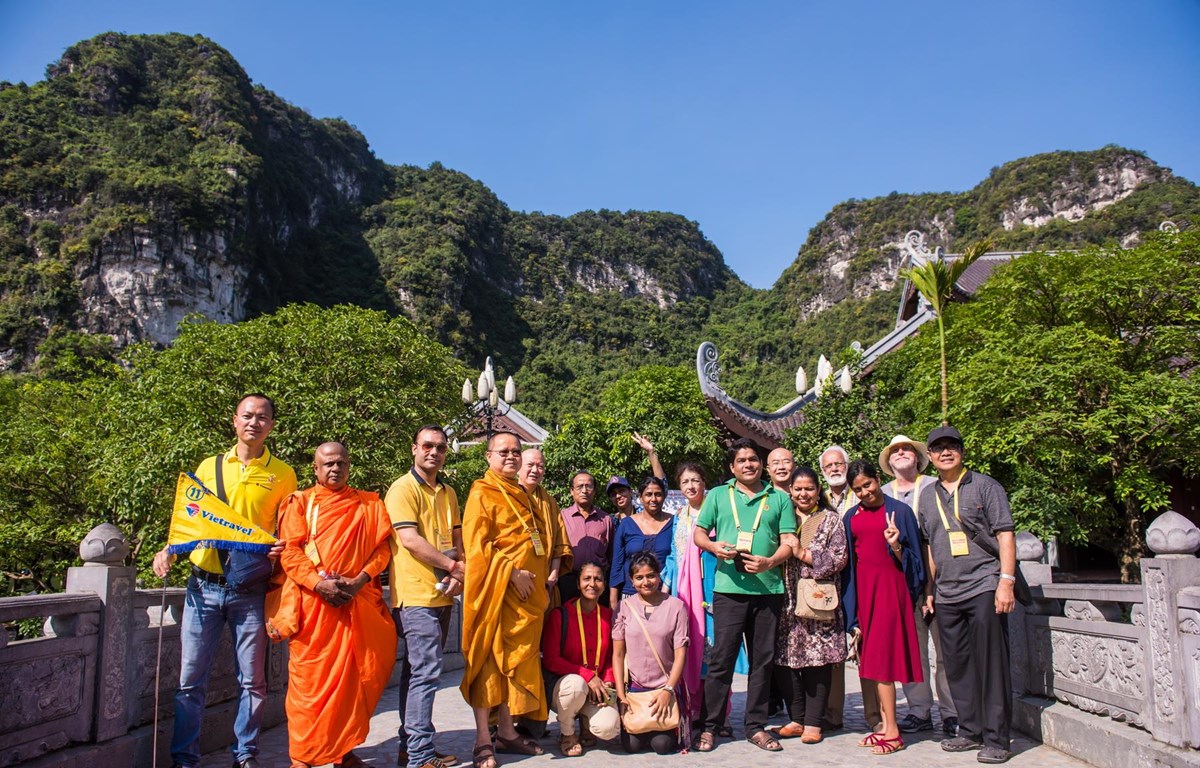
x: 422, y: 633
x: 206, y: 610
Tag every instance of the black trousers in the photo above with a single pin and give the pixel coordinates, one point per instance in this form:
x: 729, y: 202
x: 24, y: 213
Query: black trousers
x: 806, y: 690
x: 754, y: 617
x: 975, y: 652
x: 662, y: 742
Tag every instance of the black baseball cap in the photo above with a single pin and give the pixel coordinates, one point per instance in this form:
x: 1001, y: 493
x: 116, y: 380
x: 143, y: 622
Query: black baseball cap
x: 945, y: 432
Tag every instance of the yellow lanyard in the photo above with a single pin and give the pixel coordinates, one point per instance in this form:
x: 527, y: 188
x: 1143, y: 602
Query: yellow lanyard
x: 941, y: 509
x: 312, y: 513
x: 583, y: 638
x: 532, y: 514
x: 737, y: 522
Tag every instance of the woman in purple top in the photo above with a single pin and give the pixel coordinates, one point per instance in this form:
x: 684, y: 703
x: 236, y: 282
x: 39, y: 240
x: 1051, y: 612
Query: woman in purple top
x: 650, y: 530
x: 656, y: 665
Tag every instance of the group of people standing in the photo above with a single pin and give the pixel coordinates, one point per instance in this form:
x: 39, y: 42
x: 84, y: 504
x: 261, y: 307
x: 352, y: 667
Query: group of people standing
x: 629, y: 625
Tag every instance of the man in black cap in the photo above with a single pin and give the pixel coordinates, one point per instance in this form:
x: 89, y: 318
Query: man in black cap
x: 968, y: 531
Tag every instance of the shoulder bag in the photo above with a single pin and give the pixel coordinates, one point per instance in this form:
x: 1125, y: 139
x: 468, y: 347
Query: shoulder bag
x: 637, y: 718
x: 815, y: 599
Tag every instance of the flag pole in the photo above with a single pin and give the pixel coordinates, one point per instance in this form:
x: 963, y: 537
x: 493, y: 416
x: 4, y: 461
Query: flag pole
x: 157, y: 668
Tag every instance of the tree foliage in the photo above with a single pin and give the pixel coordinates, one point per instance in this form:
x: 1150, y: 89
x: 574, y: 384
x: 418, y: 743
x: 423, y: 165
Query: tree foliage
x: 660, y: 402
x: 108, y: 448
x: 1075, y: 386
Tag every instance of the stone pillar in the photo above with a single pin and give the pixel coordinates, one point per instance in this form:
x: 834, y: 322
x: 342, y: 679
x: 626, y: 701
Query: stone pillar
x: 104, y: 551
x: 1172, y: 711
x: 1026, y: 677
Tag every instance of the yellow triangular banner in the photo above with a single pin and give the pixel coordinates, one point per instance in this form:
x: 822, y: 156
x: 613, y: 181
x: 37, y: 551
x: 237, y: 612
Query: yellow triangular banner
x: 200, y: 519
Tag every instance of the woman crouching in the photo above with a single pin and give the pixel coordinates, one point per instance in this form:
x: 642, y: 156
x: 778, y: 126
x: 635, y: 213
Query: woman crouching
x: 651, y: 626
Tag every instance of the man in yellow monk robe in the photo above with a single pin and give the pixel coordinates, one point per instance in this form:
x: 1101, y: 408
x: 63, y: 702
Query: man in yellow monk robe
x: 336, y: 543
x: 508, y: 542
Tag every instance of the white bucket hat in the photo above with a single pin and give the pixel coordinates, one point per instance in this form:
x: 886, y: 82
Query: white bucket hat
x: 885, y: 456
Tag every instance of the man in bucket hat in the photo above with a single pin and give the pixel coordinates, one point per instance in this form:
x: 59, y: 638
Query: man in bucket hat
x: 905, y: 459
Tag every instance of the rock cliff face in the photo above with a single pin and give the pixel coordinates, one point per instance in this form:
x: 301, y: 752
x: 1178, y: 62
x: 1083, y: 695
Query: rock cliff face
x: 1111, y: 194
x: 148, y: 179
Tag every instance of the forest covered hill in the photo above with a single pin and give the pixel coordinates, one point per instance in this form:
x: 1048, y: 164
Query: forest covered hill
x: 147, y: 178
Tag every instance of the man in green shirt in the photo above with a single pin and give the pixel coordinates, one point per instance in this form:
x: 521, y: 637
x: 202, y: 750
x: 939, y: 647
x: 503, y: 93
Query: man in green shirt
x: 755, y: 527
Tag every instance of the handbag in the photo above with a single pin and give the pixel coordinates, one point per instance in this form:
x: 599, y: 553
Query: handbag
x: 815, y: 599
x: 636, y: 718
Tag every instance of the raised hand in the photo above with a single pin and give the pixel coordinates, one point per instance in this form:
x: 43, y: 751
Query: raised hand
x: 643, y: 442
x: 892, y: 534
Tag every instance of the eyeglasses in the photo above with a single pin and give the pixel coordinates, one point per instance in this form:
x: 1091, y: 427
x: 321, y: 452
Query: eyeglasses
x: 943, y: 447
x: 507, y: 453
x: 438, y: 447
x: 585, y: 486
x: 780, y: 463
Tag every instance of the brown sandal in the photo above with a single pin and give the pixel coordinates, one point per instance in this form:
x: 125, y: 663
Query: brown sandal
x: 764, y: 740
x: 483, y: 756
x: 705, y: 741
x: 570, y: 746
x: 518, y: 746
x: 350, y: 760
x: 789, y: 731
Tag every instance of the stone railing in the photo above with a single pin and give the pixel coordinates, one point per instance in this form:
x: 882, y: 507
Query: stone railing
x: 1129, y: 652
x: 83, y: 694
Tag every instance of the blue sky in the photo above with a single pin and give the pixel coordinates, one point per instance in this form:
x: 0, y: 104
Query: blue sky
x: 753, y: 118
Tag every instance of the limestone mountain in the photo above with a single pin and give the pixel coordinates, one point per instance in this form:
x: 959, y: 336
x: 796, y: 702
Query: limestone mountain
x: 148, y: 178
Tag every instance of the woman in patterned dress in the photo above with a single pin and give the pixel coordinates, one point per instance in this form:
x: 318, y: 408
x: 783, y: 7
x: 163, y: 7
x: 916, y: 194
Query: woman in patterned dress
x: 807, y: 649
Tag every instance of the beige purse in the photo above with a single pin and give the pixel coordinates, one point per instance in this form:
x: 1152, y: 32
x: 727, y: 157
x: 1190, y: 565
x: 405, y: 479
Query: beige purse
x: 816, y: 600
x: 637, y: 718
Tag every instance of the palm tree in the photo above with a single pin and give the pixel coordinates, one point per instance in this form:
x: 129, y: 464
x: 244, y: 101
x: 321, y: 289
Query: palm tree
x: 935, y: 280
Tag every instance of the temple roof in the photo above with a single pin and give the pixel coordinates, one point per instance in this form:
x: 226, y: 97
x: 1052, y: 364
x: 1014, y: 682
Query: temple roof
x: 509, y: 419
x: 734, y: 419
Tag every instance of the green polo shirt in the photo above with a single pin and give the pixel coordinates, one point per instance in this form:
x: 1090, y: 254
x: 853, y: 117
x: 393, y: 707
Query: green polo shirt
x: 777, y: 518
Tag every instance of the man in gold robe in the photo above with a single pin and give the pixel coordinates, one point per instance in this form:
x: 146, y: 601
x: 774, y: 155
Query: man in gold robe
x: 509, y: 547
x: 336, y: 543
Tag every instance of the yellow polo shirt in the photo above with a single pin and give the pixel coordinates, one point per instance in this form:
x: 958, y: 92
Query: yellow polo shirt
x: 253, y: 490
x: 433, y: 512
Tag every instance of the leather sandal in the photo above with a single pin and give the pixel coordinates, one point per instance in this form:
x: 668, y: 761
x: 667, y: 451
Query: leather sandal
x: 705, y: 741
x: 570, y: 746
x: 765, y: 741
x: 483, y: 756
x: 518, y: 746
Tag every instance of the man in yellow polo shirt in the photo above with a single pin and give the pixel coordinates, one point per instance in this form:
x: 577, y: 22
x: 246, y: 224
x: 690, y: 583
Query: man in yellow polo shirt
x: 253, y: 483
x: 427, y: 572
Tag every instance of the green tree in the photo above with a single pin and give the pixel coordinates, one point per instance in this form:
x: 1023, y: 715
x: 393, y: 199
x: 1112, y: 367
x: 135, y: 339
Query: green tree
x: 935, y: 280
x: 661, y: 402
x: 110, y: 448
x: 1075, y: 386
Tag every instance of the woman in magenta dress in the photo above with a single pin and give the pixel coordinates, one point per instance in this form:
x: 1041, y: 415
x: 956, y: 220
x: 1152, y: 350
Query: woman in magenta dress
x: 883, y: 580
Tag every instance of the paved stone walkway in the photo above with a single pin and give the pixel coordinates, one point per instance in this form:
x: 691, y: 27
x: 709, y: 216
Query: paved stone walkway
x: 456, y: 735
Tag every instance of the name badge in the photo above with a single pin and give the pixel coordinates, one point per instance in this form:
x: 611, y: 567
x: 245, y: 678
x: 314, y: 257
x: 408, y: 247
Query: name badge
x: 958, y: 543
x: 310, y: 549
x: 538, y: 548
x: 744, y: 541
x: 444, y: 542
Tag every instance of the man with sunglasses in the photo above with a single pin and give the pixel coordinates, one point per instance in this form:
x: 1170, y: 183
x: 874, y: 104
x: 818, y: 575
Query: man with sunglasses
x: 971, y: 552
x: 428, y: 570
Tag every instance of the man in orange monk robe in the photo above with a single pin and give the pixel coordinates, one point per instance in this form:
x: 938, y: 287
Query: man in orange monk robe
x: 340, y: 659
x: 508, y: 541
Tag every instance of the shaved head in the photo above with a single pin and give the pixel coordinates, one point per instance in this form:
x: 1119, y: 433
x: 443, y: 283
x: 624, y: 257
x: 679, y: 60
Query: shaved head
x: 331, y: 464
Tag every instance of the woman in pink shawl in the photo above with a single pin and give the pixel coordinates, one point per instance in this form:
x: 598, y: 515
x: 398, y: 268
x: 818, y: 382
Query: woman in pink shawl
x: 687, y: 584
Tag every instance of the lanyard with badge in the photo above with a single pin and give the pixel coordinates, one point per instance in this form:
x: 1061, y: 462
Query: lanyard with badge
x: 958, y: 539
x: 535, y: 536
x: 583, y: 638
x: 745, y: 539
x: 310, y: 546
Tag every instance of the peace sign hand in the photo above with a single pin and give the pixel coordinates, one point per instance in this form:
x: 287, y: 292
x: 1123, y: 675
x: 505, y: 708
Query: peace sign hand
x: 892, y: 534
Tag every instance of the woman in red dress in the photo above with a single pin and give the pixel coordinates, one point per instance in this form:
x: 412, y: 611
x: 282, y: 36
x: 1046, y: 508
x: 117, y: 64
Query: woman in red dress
x: 885, y: 576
